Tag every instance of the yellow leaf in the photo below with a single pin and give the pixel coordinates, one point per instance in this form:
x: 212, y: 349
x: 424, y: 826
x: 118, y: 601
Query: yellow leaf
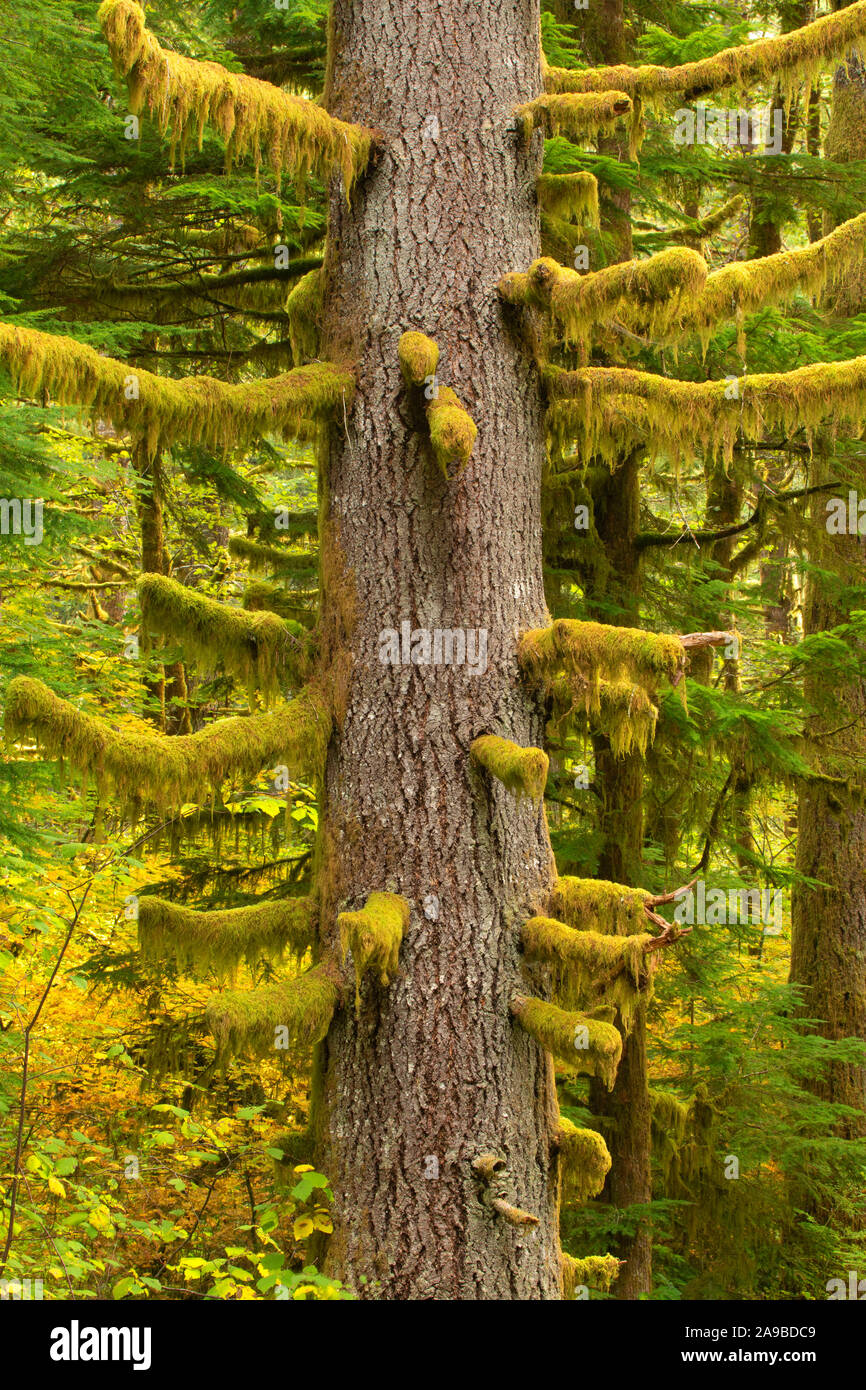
x: 323, y: 1222
x: 302, y: 1227
x: 56, y: 1186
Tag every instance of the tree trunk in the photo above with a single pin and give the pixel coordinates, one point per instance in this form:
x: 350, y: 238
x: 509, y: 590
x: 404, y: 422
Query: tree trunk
x: 431, y: 1072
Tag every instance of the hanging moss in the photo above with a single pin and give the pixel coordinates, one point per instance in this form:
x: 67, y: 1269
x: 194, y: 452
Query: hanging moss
x: 558, y: 239
x: 255, y: 119
x: 419, y: 358
x: 522, y: 770
x: 590, y: 966
x: 197, y: 409
x: 655, y: 292
x: 303, y: 311
x: 584, y: 1044
x: 592, y: 1272
x: 273, y: 598
x: 789, y: 59
x: 145, y: 768
x: 590, y: 904
x: 627, y: 713
x: 255, y: 647
x: 270, y: 558
x: 569, y: 196
x: 669, y: 1122
x: 588, y: 653
x: 452, y: 430
x: 373, y: 935
x: 584, y: 1161
x: 222, y: 939
x: 250, y: 1020
x: 681, y: 418
x: 577, y: 117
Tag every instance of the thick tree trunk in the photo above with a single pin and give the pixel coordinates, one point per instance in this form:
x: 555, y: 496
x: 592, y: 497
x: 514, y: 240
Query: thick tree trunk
x: 432, y: 1071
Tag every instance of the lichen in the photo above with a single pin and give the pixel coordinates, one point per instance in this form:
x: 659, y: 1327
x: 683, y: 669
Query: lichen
x: 523, y: 771
x: 589, y: 904
x: 585, y: 654
x: 197, y: 409
x: 256, y: 647
x: 452, y: 430
x: 303, y: 311
x: 419, y: 358
x: 598, y: 407
x: 252, y: 1020
x: 373, y: 935
x: 594, y: 1271
x: 144, y: 768
x: 591, y: 966
x: 584, y: 1161
x: 572, y: 196
x: 586, y: 1045
x: 222, y: 939
x: 254, y: 118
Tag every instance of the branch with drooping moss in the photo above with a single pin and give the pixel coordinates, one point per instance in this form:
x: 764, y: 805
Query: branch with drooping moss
x: 452, y: 430
x: 256, y: 120
x: 256, y: 647
x: 788, y: 59
x: 373, y: 935
x: 600, y: 407
x: 221, y: 939
x: 303, y: 311
x: 594, y: 1271
x: 269, y: 1018
x: 655, y: 292
x: 290, y: 605
x: 591, y: 966
x: 584, y: 1161
x: 197, y: 409
x: 262, y: 558
x: 522, y: 771
x: 145, y: 768
x: 587, y: 1045
x: 588, y: 904
x: 569, y: 196
x: 578, y: 117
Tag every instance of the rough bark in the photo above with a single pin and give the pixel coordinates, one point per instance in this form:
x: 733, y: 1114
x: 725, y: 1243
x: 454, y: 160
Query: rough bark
x: 432, y: 1071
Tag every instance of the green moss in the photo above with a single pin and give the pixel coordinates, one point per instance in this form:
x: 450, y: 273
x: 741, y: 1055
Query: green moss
x: 249, y: 1020
x: 145, y: 768
x: 789, y: 59
x: 627, y: 713
x: 569, y: 196
x: 593, y: 1272
x: 587, y: 654
x: 584, y: 1044
x: 255, y: 647
x: 601, y: 407
x: 198, y: 409
x: 254, y: 118
x: 271, y: 558
x: 419, y: 358
x: 373, y: 935
x: 591, y: 966
x: 221, y: 939
x: 274, y: 598
x: 584, y: 1161
x: 522, y: 770
x: 577, y: 117
x: 303, y: 311
x: 452, y: 430
x: 590, y: 904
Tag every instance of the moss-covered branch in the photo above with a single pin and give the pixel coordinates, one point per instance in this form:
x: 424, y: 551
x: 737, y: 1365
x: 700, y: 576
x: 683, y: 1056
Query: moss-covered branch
x: 576, y: 117
x: 221, y: 939
x: 255, y: 119
x: 590, y: 966
x: 584, y: 1161
x: 262, y: 558
x: 197, y: 409
x: 593, y: 1272
x: 373, y: 935
x: 656, y: 292
x: 789, y: 59
x: 590, y: 904
x: 268, y: 1019
x: 523, y: 771
x: 452, y: 429
x: 255, y: 647
x: 303, y: 311
x: 569, y: 196
x: 584, y: 1044
x: 600, y: 407
x: 579, y: 656
x: 145, y: 768
x: 419, y: 358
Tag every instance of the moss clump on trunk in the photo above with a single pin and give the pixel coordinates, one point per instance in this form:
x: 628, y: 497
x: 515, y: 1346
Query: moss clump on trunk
x: 254, y: 118
x: 452, y: 430
x: 223, y: 938
x: 586, y: 1045
x: 589, y: 904
x: 523, y: 771
x: 591, y: 966
x: 144, y: 768
x: 268, y: 1019
x: 197, y: 409
x: 584, y: 1161
x: 256, y: 647
x: 373, y: 935
x: 419, y: 358
x: 593, y: 1272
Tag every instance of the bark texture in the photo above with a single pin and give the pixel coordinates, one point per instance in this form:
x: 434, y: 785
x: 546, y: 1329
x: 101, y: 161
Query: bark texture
x: 432, y: 1071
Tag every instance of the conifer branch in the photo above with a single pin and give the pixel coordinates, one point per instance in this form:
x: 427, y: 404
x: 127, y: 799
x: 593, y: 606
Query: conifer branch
x: 577, y: 117
x: 584, y: 1161
x: 515, y: 1216
x: 197, y: 409
x: 523, y: 771
x: 588, y: 1046
x: 254, y: 118
x: 269, y: 1018
x: 569, y: 196
x: 223, y: 938
x: 373, y: 935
